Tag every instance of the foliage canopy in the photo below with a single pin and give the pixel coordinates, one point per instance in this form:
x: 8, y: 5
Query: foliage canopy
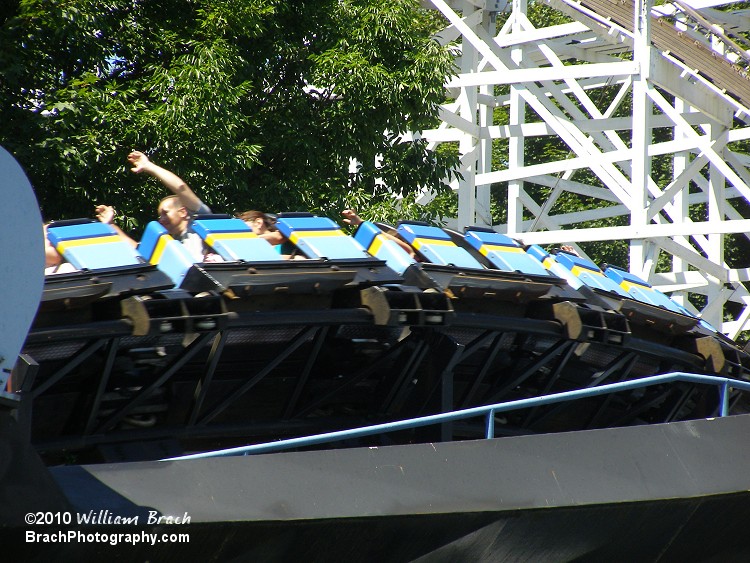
x: 256, y: 104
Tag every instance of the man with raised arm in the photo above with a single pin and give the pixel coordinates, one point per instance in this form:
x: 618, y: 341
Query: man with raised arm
x: 176, y: 211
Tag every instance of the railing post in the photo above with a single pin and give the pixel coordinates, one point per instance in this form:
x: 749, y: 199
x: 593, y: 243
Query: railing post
x: 491, y: 424
x: 724, y: 398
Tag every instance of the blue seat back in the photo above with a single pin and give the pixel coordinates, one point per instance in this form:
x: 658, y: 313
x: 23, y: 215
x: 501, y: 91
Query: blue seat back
x: 319, y: 237
x: 232, y: 239
x: 503, y: 252
x: 550, y: 264
x: 436, y: 246
x: 643, y: 291
x: 380, y: 246
x: 92, y: 245
x: 588, y: 273
x: 168, y: 254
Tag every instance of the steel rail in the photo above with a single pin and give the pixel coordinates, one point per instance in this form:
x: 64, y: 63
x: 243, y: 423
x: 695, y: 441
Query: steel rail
x: 723, y: 383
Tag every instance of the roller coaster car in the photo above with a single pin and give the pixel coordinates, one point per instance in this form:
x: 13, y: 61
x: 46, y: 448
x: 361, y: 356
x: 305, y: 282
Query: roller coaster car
x: 727, y: 357
x: 651, y: 315
x: 448, y: 267
x: 603, y: 291
x: 500, y: 252
x: 322, y: 239
x: 107, y: 270
x: 484, y: 271
x: 384, y: 292
x: 249, y: 267
x: 253, y: 276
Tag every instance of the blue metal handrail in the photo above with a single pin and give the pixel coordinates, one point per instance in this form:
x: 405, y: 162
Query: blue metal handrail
x: 723, y: 383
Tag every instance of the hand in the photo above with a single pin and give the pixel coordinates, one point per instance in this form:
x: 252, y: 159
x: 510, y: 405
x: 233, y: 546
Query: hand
x: 351, y: 217
x: 569, y: 249
x: 212, y: 257
x: 51, y: 256
x: 105, y: 214
x: 139, y: 161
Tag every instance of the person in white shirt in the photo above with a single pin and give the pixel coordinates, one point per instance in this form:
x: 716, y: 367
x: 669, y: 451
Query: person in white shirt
x: 176, y: 211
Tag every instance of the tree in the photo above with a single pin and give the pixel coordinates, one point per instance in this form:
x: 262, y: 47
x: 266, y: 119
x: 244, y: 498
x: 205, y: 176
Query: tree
x: 258, y: 103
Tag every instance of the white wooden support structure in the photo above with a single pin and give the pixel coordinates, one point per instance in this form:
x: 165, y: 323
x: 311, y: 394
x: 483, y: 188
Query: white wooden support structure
x: 603, y: 84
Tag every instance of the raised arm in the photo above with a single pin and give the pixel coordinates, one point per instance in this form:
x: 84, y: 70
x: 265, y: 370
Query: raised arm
x: 141, y: 164
x: 351, y: 217
x: 106, y: 214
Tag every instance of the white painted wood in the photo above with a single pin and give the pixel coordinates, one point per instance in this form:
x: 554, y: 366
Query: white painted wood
x: 560, y: 73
